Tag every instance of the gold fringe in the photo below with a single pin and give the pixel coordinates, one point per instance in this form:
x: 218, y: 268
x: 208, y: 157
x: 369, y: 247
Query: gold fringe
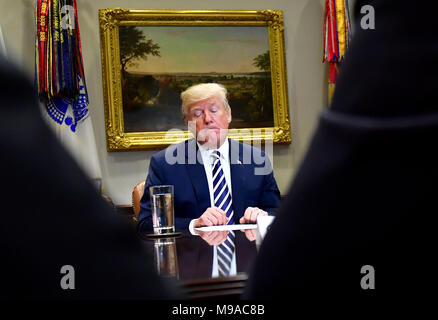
x: 340, y: 26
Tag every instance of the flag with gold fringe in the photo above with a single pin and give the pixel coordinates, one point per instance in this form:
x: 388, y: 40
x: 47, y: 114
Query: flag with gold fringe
x: 337, y: 36
x: 59, y: 70
x: 60, y: 80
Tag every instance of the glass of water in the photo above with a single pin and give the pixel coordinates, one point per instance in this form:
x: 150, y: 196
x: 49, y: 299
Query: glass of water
x: 162, y: 209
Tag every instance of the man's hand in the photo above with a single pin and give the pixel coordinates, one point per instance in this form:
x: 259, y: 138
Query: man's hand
x: 213, y: 216
x: 213, y: 238
x: 250, y: 234
x: 251, y: 214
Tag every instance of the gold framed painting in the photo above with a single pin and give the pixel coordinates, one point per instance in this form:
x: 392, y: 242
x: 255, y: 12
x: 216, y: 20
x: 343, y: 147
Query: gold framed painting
x: 150, y: 56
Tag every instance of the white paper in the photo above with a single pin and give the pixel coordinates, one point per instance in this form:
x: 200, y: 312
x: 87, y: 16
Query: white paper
x: 228, y: 227
x: 263, y: 224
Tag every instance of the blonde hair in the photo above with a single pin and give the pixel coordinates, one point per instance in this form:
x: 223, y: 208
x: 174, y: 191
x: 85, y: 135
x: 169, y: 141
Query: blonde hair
x: 203, y: 91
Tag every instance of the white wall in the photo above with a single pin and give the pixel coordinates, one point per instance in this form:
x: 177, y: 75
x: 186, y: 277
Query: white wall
x: 307, y: 76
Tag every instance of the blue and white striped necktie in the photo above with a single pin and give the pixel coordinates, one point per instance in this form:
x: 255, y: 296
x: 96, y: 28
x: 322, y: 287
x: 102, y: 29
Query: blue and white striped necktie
x: 223, y: 200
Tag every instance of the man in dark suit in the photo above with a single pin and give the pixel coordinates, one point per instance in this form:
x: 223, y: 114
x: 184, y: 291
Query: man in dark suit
x: 250, y: 190
x: 358, y: 220
x: 59, y: 238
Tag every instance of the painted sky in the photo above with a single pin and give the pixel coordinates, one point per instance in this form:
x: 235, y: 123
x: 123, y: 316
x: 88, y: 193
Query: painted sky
x: 204, y: 49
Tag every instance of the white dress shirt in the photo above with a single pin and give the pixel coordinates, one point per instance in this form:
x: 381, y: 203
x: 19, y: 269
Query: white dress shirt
x: 208, y: 161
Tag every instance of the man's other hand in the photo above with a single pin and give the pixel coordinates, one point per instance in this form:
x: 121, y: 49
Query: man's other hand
x: 251, y: 214
x: 250, y: 234
x: 213, y: 238
x: 213, y: 216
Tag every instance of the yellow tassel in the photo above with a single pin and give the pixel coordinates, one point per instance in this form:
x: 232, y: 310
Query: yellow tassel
x: 340, y: 26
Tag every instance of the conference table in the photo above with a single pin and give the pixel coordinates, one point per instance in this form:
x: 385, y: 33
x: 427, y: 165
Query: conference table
x: 188, y: 259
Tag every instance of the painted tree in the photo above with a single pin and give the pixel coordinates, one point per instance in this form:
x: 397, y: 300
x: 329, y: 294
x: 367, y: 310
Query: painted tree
x: 134, y: 45
x: 261, y: 105
x: 262, y: 61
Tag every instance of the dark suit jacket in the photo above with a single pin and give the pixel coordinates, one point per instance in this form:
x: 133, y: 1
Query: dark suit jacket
x: 52, y: 215
x: 366, y: 193
x: 191, y: 191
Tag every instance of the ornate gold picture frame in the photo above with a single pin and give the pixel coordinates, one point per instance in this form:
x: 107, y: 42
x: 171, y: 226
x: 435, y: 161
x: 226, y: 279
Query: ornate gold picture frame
x: 150, y: 56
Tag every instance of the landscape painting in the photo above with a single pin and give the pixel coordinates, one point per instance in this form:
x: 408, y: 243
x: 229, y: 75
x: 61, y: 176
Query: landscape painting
x: 159, y: 62
x: 150, y: 56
